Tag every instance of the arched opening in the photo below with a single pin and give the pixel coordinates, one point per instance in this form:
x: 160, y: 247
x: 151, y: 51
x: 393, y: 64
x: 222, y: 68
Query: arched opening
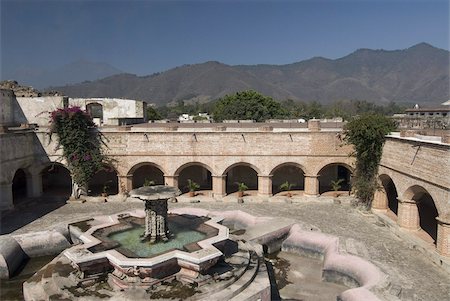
x: 241, y: 174
x: 427, y: 210
x: 391, y: 193
x: 19, y: 186
x: 104, y: 181
x: 333, y: 173
x: 196, y: 173
x: 288, y: 172
x: 145, y: 174
x: 95, y: 110
x: 56, y: 181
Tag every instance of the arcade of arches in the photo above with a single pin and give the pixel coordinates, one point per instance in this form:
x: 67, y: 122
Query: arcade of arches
x: 414, y: 210
x: 55, y: 180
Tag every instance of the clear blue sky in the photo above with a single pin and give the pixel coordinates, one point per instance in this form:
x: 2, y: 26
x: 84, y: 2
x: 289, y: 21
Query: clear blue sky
x: 143, y: 37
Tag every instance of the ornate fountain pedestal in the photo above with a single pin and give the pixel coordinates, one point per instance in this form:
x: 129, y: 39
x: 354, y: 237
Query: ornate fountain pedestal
x: 155, y: 198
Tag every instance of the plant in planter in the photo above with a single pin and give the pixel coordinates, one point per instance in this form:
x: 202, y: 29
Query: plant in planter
x: 148, y: 182
x: 286, y: 186
x: 105, y: 190
x: 336, y: 185
x: 192, y: 186
x: 241, y: 188
x: 81, y: 144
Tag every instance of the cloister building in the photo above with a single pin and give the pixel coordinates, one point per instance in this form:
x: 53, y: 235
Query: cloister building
x: 413, y: 173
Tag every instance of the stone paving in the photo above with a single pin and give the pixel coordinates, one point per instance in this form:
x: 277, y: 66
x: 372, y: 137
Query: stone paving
x: 412, y: 275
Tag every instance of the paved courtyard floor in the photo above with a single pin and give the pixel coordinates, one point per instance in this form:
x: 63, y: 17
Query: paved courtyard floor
x: 413, y: 276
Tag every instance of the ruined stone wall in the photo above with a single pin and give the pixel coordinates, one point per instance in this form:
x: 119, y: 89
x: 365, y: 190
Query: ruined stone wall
x: 410, y: 162
x: 7, y: 100
x: 264, y: 151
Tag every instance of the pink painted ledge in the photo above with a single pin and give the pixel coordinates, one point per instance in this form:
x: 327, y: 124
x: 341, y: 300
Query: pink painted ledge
x: 365, y: 273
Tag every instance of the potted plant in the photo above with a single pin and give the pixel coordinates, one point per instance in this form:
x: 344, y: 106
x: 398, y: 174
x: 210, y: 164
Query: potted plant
x: 105, y: 190
x: 241, y: 188
x: 286, y: 186
x: 192, y: 186
x: 148, y: 182
x: 336, y: 186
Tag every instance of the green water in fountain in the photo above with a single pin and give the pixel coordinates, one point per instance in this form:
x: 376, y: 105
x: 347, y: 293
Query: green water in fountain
x: 180, y: 236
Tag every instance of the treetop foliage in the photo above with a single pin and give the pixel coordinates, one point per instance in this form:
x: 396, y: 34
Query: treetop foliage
x: 248, y: 105
x: 289, y: 109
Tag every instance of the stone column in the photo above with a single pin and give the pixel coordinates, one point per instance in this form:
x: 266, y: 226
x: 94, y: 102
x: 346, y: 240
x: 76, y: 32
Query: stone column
x: 265, y: 185
x: 125, y: 183
x: 219, y: 184
x: 408, y: 215
x: 311, y: 185
x: 380, y: 201
x: 6, y: 196
x: 443, y: 235
x: 171, y: 181
x: 34, y: 184
x: 314, y: 125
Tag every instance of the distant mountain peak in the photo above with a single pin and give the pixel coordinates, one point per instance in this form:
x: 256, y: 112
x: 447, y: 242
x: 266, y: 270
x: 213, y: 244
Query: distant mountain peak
x: 422, y: 45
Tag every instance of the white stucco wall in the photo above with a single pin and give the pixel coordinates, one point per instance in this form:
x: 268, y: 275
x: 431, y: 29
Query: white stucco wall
x: 37, y: 109
x: 113, y: 107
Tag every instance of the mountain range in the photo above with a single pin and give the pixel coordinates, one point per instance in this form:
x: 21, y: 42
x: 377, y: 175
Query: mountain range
x: 419, y: 74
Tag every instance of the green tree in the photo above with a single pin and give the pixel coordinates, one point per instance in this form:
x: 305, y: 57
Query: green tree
x: 153, y: 114
x: 314, y: 110
x: 367, y: 133
x: 248, y: 105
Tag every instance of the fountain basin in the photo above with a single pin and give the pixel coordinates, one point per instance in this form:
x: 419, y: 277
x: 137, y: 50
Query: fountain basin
x: 97, y: 255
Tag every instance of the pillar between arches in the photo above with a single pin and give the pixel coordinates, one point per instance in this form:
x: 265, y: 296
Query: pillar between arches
x: 380, y: 201
x: 219, y: 184
x: 171, y: 180
x: 265, y: 185
x: 443, y: 235
x: 311, y: 185
x: 408, y: 214
x: 6, y: 196
x: 34, y: 185
x: 125, y: 183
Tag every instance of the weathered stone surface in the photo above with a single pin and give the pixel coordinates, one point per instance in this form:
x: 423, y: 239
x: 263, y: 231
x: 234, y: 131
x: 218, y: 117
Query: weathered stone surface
x: 11, y: 257
x: 157, y: 192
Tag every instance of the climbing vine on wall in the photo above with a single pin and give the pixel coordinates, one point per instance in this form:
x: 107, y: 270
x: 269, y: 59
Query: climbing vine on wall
x: 367, y: 133
x: 80, y: 141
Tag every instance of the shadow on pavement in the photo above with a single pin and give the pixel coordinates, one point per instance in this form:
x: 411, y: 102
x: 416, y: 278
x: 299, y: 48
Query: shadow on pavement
x: 27, y: 211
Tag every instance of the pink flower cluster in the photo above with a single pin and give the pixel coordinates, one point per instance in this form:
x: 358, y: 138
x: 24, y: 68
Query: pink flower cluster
x: 65, y: 112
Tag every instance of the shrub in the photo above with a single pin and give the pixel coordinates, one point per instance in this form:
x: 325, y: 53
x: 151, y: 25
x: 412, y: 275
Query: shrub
x: 80, y: 141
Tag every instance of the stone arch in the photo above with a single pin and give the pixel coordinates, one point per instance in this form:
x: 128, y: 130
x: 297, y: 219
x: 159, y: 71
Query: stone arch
x: 105, y: 180
x: 241, y: 172
x: 333, y: 172
x: 95, y: 110
x: 289, y: 171
x: 426, y: 208
x: 386, y: 196
x: 146, y: 171
x: 252, y: 166
x: 20, y: 187
x: 198, y: 172
x: 56, y: 180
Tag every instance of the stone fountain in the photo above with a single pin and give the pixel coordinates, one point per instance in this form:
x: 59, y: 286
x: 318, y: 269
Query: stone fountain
x: 155, y: 198
x: 133, y: 256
